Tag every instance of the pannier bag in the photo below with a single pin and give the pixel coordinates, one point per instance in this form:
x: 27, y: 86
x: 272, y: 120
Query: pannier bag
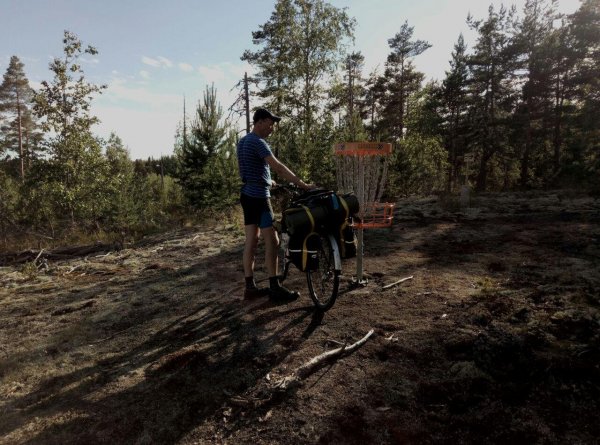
x: 303, y: 251
x: 321, y: 210
x: 347, y: 240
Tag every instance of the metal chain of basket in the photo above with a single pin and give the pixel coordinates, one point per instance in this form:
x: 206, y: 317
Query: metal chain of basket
x: 361, y: 168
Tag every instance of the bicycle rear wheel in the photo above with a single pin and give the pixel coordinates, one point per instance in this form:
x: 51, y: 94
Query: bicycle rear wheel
x: 323, y: 283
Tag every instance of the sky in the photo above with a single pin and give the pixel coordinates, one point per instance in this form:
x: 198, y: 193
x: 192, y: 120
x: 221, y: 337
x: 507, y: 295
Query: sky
x: 153, y: 53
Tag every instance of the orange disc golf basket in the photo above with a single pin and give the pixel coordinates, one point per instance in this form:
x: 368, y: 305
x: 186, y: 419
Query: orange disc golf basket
x: 361, y: 169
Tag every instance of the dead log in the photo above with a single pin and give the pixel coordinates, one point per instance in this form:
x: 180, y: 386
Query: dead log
x: 63, y: 253
x: 300, y: 373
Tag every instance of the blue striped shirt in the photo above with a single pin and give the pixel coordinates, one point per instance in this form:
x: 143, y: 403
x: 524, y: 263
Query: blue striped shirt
x: 254, y: 170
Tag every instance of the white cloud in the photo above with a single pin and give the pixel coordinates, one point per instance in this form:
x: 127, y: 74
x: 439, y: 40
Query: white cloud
x: 429, y: 19
x: 149, y: 61
x: 165, y: 62
x: 145, y: 74
x: 145, y: 133
x: 186, y: 67
x: 146, y: 119
x: 211, y: 73
x: 35, y: 84
x: 226, y: 71
x: 119, y: 92
x: 159, y: 62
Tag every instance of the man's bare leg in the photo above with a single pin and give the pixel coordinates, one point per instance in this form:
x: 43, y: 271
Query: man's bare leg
x: 278, y: 292
x: 252, y: 233
x: 271, y: 247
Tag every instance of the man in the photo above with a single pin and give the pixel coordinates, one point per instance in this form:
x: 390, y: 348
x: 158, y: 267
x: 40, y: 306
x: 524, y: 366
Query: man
x: 255, y: 161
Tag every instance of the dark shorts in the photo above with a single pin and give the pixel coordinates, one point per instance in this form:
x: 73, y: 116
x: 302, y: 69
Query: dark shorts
x: 257, y: 211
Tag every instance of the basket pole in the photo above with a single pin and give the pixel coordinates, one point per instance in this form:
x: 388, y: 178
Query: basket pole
x: 359, y: 258
x: 361, y: 198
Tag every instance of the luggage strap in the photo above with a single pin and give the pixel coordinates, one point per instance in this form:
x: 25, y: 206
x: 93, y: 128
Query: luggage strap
x: 312, y: 230
x: 343, y: 226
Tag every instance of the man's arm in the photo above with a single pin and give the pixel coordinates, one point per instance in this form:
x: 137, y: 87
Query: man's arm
x: 286, y: 173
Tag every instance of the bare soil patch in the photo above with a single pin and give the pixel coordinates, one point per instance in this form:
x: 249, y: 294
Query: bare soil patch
x: 495, y: 340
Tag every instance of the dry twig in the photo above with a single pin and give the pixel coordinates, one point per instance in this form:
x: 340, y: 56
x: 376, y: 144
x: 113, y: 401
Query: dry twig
x: 387, y: 286
x: 38, y: 256
x: 300, y: 373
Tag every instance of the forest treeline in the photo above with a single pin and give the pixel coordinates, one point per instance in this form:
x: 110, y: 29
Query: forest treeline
x: 517, y: 110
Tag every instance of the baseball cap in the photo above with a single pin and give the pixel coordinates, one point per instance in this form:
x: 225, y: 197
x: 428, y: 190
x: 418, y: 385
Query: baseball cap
x: 263, y: 113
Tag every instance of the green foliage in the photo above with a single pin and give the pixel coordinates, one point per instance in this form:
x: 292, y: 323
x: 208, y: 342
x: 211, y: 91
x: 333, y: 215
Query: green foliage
x: 416, y: 165
x: 10, y: 193
x: 491, y: 91
x: 157, y: 201
x: 301, y: 45
x: 85, y: 183
x: 221, y: 180
x: 519, y: 109
x: 74, y: 175
x: 399, y: 82
x: 350, y: 95
x: 207, y: 164
x: 584, y: 150
x: 29, y: 270
x: 65, y: 102
x: 453, y: 105
x: 72, y: 184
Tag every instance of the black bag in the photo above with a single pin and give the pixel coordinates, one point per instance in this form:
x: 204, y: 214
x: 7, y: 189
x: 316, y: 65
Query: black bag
x: 319, y: 210
x: 303, y: 251
x: 304, y: 219
x: 346, y: 239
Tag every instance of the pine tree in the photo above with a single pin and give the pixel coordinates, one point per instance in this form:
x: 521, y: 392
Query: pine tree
x: 206, y: 151
x: 532, y: 117
x: 274, y: 60
x: 374, y: 95
x: 492, y: 90
x: 584, y: 147
x: 302, y: 43
x: 120, y: 208
x: 20, y: 130
x: 454, y: 108
x: 401, y: 80
x: 349, y: 94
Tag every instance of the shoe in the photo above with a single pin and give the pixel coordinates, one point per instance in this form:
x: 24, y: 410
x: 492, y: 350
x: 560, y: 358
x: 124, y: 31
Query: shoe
x: 255, y: 292
x: 281, y: 294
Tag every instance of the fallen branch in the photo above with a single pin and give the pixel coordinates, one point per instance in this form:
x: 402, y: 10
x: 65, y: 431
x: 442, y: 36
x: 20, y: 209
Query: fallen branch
x: 300, y: 373
x: 38, y: 257
x: 392, y: 338
x: 64, y: 253
x: 387, y: 286
x: 73, y: 269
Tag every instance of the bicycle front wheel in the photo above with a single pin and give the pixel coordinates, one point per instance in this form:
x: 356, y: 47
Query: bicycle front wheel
x: 323, y: 283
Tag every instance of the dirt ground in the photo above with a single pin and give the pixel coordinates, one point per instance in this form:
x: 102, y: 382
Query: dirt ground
x: 495, y: 339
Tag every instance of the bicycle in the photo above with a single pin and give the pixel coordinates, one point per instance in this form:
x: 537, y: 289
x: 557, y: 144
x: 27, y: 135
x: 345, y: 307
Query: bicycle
x: 323, y: 280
